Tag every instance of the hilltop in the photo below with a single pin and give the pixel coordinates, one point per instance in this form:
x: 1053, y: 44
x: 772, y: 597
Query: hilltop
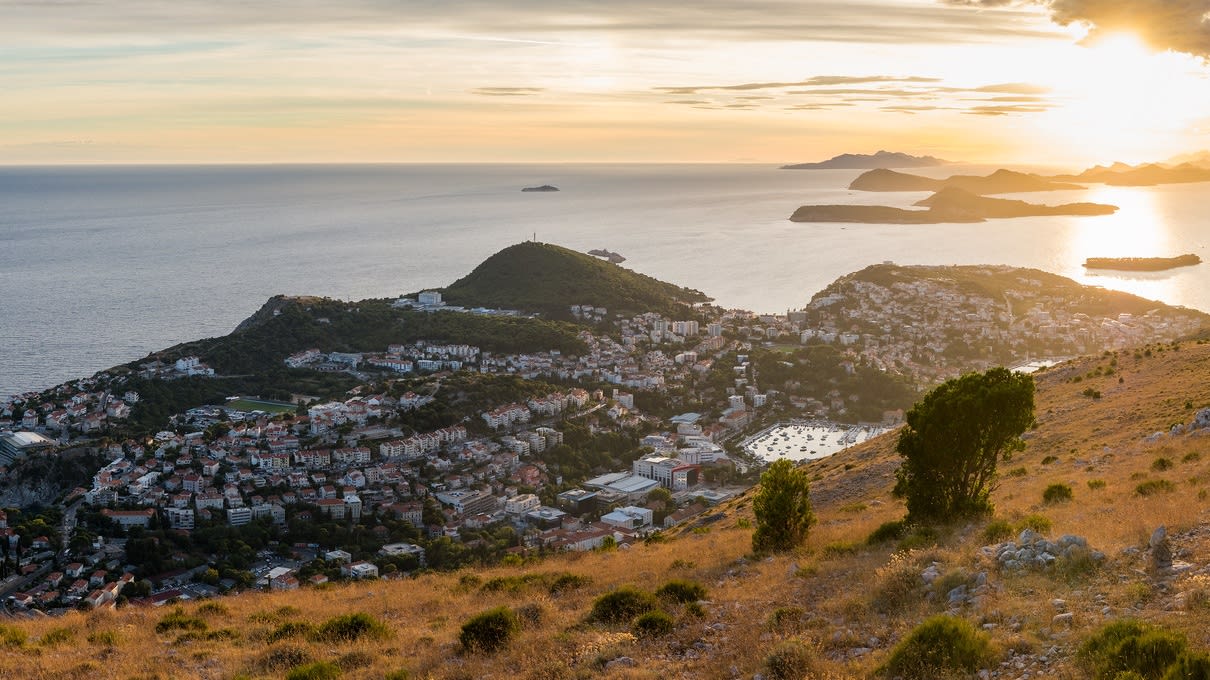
x: 950, y: 204
x: 999, y: 182
x: 846, y: 599
x: 545, y: 278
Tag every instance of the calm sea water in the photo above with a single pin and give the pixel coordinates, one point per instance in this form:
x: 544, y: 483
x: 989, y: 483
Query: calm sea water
x: 101, y: 265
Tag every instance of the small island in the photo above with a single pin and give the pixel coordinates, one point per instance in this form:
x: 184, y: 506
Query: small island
x: 544, y: 187
x: 615, y: 258
x: 1142, y: 264
x: 950, y: 205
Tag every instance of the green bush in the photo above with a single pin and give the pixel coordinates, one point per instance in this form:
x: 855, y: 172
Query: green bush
x: 290, y: 629
x: 529, y: 615
x: 1094, y: 484
x: 320, y: 670
x: 888, y: 531
x: 941, y: 645
x: 1050, y: 459
x: 1019, y: 471
x: 350, y: 627
x: 622, y: 605
x: 782, y: 507
x: 1057, y: 493
x: 490, y: 631
x: 653, y: 624
x: 56, y: 636
x: 1161, y: 464
x: 787, y: 619
x: 179, y: 620
x: 791, y: 660
x: 566, y: 581
x: 11, y: 637
x: 997, y: 531
x: 1190, y: 666
x: 1127, y: 646
x: 919, y: 537
x: 1154, y: 486
x: 104, y: 638
x: 1191, y: 457
x: 681, y: 591
x: 1039, y: 523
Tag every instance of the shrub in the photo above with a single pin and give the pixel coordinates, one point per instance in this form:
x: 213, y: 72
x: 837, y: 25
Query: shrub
x: 179, y: 620
x: 1161, y: 464
x: 1190, y: 666
x: 56, y: 636
x: 681, y: 591
x: 1191, y: 457
x: 278, y: 659
x: 787, y: 619
x: 897, y: 585
x: 290, y: 629
x: 1050, y: 459
x: 489, y: 631
x: 621, y: 605
x: 104, y: 638
x: 355, y: 659
x: 11, y: 637
x: 1092, y: 393
x: 1039, y: 523
x: 1095, y: 484
x: 529, y: 615
x: 941, y: 645
x: 215, y: 608
x: 791, y: 660
x: 350, y: 627
x: 888, y: 531
x: 320, y: 670
x: 1154, y: 486
x: 564, y: 582
x: 997, y: 531
x: 1057, y: 493
x: 1128, y: 645
x: 919, y: 537
x: 401, y: 674
x: 1019, y: 471
x: 653, y: 624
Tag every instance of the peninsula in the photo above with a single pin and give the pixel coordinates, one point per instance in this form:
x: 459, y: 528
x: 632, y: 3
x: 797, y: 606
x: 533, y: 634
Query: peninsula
x: 949, y: 205
x: 1142, y: 264
x: 999, y: 182
x: 543, y: 188
x: 1150, y: 174
x: 882, y: 159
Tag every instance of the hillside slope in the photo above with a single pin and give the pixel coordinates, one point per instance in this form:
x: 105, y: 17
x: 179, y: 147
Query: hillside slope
x: 848, y: 601
x: 546, y: 278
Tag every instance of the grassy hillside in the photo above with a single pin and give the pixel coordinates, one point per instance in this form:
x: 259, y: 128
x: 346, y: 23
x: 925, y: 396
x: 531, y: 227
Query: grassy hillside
x: 845, y: 601
x: 546, y: 278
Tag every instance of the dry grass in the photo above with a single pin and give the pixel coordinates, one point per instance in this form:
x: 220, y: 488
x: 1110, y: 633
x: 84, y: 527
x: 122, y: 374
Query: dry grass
x: 850, y: 595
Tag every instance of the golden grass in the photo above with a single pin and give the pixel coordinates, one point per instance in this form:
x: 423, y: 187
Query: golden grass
x: 851, y: 595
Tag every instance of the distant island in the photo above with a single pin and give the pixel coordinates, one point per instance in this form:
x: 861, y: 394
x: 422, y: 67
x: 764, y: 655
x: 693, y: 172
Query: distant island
x: 1150, y: 174
x: 544, y: 187
x: 950, y: 205
x: 999, y: 182
x: 882, y: 159
x: 1142, y: 264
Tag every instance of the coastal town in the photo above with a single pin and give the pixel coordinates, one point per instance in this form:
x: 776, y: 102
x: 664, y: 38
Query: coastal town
x: 251, y: 492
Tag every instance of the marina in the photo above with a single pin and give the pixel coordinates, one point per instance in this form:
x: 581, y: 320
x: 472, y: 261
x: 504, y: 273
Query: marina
x: 807, y: 440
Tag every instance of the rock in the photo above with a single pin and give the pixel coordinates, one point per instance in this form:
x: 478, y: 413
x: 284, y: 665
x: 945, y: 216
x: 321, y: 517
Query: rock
x: 957, y: 596
x: 858, y: 652
x: 1201, y: 421
x: 1161, y: 549
x: 1060, y: 605
x: 930, y: 574
x: 1028, y: 537
x: 621, y: 662
x: 1063, y: 619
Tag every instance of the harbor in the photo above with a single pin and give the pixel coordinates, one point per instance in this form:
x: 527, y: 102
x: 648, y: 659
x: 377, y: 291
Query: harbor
x: 807, y: 440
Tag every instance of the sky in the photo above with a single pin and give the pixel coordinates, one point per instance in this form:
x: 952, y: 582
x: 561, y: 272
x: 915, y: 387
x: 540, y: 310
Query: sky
x: 1066, y: 82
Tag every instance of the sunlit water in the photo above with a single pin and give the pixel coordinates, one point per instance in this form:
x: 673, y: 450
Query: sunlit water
x: 100, y: 266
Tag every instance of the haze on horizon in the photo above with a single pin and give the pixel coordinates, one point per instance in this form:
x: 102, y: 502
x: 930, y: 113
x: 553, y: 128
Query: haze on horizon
x: 1068, y: 82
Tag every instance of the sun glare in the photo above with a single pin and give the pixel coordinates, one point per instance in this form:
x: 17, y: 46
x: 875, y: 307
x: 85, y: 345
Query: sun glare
x: 1121, y: 101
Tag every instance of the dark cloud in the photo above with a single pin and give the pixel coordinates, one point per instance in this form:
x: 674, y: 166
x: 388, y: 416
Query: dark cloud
x: 1003, y: 110
x: 1178, y: 25
x: 817, y: 81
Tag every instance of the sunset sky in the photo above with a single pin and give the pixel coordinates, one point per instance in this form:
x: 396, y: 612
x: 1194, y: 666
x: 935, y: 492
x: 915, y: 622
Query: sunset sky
x: 1071, y: 82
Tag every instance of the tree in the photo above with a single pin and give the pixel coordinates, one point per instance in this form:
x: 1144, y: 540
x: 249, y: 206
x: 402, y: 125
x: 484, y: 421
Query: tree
x: 954, y: 438
x: 783, y: 508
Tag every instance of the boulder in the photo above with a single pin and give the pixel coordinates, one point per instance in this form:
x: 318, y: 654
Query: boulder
x: 1161, y: 549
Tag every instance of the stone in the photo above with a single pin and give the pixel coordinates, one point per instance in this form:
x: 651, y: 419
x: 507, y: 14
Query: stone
x: 1059, y: 604
x: 1201, y: 420
x: 1063, y: 619
x: 621, y: 662
x: 1161, y: 549
x: 1028, y: 537
x: 957, y: 596
x: 930, y: 574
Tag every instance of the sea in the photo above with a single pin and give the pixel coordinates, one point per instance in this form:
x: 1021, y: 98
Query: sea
x: 100, y: 265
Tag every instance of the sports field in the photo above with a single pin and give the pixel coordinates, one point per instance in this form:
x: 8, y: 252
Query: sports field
x: 247, y: 404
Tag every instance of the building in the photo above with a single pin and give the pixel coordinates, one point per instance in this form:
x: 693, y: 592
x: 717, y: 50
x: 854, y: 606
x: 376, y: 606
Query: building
x: 20, y: 444
x: 519, y: 505
x: 630, y: 517
x: 130, y: 518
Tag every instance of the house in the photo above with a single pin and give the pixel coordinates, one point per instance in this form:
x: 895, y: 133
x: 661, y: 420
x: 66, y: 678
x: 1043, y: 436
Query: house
x: 130, y: 518
x: 359, y: 570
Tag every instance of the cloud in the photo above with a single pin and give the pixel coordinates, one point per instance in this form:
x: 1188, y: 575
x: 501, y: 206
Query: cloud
x: 1178, y: 25
x: 1003, y: 110
x: 752, y: 20
x: 816, y: 81
x: 508, y: 91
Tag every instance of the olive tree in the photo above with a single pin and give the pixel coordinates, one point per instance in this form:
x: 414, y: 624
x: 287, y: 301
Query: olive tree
x: 954, y: 438
x: 782, y: 507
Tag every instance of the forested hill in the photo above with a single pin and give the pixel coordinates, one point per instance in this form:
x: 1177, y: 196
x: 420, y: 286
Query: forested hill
x: 540, y: 277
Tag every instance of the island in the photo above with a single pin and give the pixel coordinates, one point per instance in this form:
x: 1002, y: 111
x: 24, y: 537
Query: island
x: 950, y: 205
x: 1142, y: 264
x: 882, y: 159
x: 999, y: 182
x: 1150, y: 174
x: 544, y: 187
x: 615, y: 258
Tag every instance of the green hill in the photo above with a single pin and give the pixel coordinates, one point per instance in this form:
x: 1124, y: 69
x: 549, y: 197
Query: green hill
x: 540, y: 277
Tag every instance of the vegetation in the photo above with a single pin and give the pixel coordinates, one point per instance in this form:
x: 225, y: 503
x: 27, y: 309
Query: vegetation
x: 681, y: 591
x: 790, y: 660
x: 545, y: 278
x: 782, y: 507
x: 941, y: 646
x: 351, y: 627
x: 954, y: 439
x: 653, y: 624
x: 622, y: 605
x: 1057, y: 493
x: 1131, y: 646
x: 490, y: 631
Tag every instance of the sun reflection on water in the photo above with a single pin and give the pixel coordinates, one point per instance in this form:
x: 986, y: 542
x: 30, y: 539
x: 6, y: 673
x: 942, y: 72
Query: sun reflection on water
x: 1137, y: 229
